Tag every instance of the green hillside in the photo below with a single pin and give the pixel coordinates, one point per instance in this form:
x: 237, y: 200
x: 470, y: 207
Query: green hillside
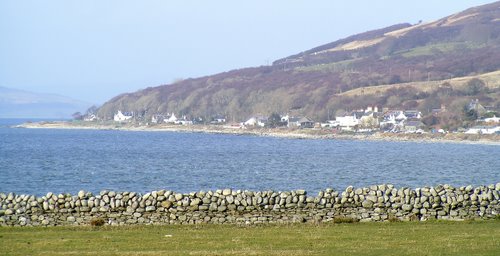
x: 317, y: 82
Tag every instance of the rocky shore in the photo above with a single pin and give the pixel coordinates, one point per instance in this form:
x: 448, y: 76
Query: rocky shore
x: 373, y: 203
x: 276, y: 132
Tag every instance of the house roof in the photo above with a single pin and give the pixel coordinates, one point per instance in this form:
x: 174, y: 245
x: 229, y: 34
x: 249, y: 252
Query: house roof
x: 412, y: 113
x: 369, y: 113
x: 304, y: 120
x: 358, y: 114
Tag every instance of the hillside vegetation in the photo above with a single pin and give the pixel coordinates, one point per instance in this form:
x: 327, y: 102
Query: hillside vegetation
x: 421, y: 66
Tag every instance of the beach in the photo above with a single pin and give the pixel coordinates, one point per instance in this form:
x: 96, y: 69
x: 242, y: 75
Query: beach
x: 314, y: 133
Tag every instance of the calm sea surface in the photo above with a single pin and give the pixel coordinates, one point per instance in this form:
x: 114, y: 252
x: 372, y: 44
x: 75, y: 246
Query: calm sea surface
x: 37, y: 161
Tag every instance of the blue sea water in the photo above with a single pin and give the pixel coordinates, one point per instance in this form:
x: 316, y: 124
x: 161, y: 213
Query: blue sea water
x: 37, y: 161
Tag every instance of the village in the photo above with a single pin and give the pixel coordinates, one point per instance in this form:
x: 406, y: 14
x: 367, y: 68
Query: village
x: 368, y: 120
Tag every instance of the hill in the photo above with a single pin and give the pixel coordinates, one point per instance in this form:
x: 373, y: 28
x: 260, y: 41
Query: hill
x: 22, y: 104
x: 325, y: 79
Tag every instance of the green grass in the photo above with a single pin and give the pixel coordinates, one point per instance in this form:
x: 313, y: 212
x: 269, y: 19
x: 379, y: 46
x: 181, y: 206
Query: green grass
x: 431, y: 49
x: 402, y: 238
x: 329, y: 67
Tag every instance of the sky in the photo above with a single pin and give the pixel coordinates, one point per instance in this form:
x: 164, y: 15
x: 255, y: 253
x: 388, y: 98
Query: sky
x: 93, y: 50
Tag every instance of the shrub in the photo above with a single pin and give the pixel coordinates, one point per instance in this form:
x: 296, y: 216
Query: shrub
x: 97, y: 222
x: 393, y: 219
x: 475, y: 86
x: 414, y: 218
x: 339, y: 220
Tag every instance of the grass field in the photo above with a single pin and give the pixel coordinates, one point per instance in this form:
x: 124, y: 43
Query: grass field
x: 491, y: 79
x: 404, y: 238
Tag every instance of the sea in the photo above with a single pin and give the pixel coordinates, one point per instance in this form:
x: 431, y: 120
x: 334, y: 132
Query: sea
x: 37, y: 161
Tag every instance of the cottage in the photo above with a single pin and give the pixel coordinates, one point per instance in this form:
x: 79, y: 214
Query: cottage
x: 305, y: 122
x: 347, y: 122
x: 256, y: 121
x: 122, y: 116
x: 300, y: 122
x: 156, y: 119
x: 285, y: 118
x: 218, y: 120
x: 476, y: 106
x: 401, y: 116
x: 90, y: 118
x: 395, y: 116
x: 413, y: 114
x: 183, y: 121
x: 371, y: 109
x: 171, y: 119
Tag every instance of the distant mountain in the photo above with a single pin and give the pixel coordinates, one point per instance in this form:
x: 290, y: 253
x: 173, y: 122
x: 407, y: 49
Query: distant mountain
x: 318, y: 82
x: 22, y: 104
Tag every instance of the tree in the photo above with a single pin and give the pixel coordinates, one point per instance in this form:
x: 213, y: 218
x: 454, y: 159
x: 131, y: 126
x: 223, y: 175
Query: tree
x: 395, y: 79
x: 430, y: 103
x: 470, y: 113
x: 430, y: 120
x: 491, y: 114
x: 445, y: 89
x: 475, y: 86
x: 369, y: 121
x: 91, y: 111
x: 77, y: 116
x: 393, y: 101
x: 274, y: 120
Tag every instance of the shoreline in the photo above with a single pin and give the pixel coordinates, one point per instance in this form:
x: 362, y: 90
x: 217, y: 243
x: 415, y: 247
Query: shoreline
x: 324, y: 134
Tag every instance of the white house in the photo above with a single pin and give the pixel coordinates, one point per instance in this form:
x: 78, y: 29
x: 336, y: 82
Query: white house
x: 371, y: 109
x: 394, y: 117
x: 493, y: 119
x: 347, y: 122
x: 285, y: 118
x: 183, y: 121
x: 388, y: 120
x: 120, y: 116
x: 483, y: 130
x: 171, y: 119
x: 401, y: 116
x: 219, y: 119
x: 155, y: 119
x: 412, y: 114
x: 90, y: 118
x: 256, y: 121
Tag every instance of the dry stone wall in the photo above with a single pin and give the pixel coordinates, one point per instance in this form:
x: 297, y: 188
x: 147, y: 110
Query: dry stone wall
x: 374, y: 203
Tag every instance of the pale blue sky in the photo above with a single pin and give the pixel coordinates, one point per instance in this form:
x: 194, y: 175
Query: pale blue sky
x: 94, y: 50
